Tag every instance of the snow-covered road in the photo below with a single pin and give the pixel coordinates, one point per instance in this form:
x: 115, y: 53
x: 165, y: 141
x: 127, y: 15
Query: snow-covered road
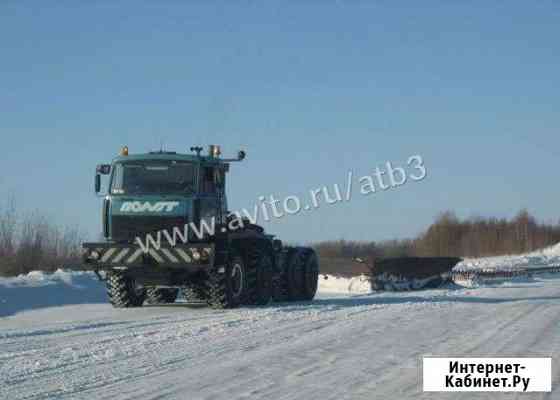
x: 340, y: 346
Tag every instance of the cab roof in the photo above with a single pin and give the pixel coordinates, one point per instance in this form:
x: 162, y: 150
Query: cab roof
x: 169, y: 156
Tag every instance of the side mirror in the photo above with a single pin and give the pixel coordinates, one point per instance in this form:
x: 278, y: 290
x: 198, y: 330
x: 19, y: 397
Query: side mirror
x: 97, y: 183
x: 103, y: 169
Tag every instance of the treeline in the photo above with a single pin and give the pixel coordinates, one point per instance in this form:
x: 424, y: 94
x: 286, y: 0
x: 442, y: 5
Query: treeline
x: 448, y: 236
x: 479, y: 237
x: 32, y: 242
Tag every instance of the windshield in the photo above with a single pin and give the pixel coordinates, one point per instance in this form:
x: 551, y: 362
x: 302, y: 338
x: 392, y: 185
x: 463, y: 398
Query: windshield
x: 153, y: 177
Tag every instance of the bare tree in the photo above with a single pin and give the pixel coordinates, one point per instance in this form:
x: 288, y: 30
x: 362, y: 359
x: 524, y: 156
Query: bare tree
x: 31, y: 241
x: 8, y: 227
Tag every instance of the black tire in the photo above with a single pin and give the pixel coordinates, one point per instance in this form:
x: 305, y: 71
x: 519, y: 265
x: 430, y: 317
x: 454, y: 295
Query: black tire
x: 259, y: 275
x: 310, y: 275
x: 123, y: 291
x: 227, y: 285
x: 194, y: 293
x: 161, y: 296
x: 300, y: 276
x: 282, y: 282
x: 279, y: 288
x: 296, y: 274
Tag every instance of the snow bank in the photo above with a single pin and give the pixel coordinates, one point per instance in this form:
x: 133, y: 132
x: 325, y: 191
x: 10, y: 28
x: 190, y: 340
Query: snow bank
x: 547, y: 257
x: 39, y: 289
x: 337, y: 284
x: 40, y: 278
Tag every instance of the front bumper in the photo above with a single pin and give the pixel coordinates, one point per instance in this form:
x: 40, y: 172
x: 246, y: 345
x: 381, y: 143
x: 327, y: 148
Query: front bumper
x: 106, y: 255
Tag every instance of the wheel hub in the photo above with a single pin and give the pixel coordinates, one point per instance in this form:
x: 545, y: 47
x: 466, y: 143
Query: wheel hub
x: 237, y: 280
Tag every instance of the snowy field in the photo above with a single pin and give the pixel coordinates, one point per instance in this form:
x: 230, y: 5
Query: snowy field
x: 541, y: 258
x: 59, y: 339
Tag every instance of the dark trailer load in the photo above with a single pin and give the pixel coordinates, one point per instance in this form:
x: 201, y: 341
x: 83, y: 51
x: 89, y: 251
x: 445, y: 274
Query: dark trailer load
x: 410, y: 273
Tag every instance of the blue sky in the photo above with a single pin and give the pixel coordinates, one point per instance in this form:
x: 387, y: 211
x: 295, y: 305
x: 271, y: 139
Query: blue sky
x: 309, y: 89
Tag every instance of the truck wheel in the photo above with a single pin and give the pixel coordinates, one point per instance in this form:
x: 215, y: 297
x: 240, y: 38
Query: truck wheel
x: 301, y: 274
x: 259, y: 275
x: 296, y: 274
x: 310, y: 275
x: 227, y: 286
x: 278, y: 288
x: 281, y: 282
x: 161, y: 296
x: 194, y: 293
x: 123, y: 291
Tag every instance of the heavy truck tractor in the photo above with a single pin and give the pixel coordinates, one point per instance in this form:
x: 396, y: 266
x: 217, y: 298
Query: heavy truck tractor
x: 167, y: 231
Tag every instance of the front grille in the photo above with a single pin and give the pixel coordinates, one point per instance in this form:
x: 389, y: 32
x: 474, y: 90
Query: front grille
x: 129, y: 228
